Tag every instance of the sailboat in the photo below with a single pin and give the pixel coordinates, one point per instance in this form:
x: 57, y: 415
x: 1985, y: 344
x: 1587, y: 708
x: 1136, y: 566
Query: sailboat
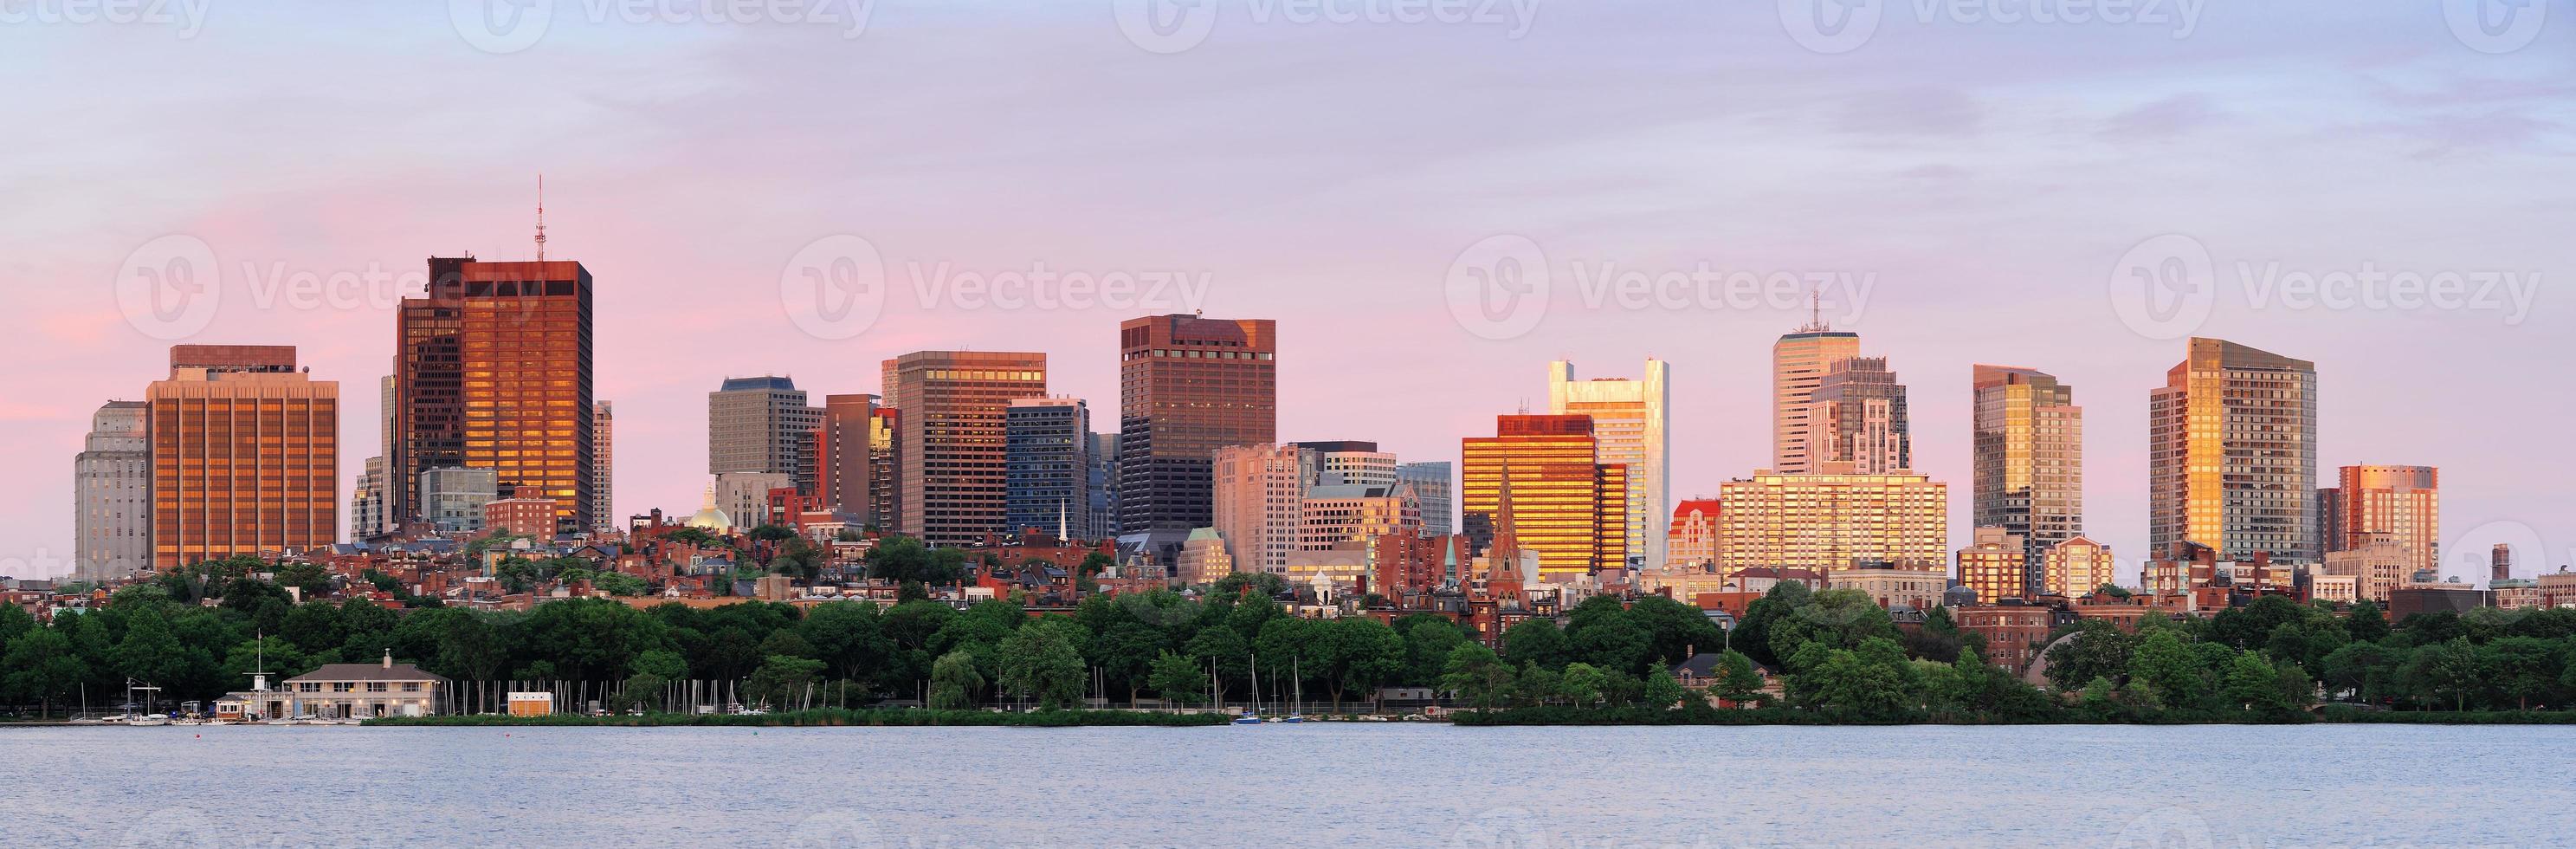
x: 1297, y: 678
x: 1253, y: 717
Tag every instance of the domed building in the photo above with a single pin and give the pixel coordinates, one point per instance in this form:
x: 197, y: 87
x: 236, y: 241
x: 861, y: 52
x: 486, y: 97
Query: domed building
x: 709, y: 518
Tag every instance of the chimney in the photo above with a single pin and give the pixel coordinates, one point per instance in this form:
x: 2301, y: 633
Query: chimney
x: 389, y: 658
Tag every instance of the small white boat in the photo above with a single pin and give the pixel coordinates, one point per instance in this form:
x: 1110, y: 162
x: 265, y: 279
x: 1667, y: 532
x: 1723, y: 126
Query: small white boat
x: 151, y: 719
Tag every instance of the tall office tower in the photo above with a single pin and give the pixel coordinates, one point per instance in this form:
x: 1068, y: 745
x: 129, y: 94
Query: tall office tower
x: 2028, y: 447
x: 1347, y: 463
x: 493, y: 365
x: 950, y: 438
x: 603, y: 468
x: 843, y: 456
x: 2402, y: 502
x: 1629, y: 418
x: 1259, y: 504
x: 2077, y: 567
x: 1997, y: 566
x: 367, y: 503
x: 245, y: 455
x: 761, y: 424
x: 1798, y: 366
x: 1103, y: 487
x: 2500, y: 563
x: 452, y: 499
x: 1830, y: 522
x: 1435, y: 488
x: 1187, y: 387
x: 1857, y: 415
x: 1568, y: 506
x: 112, y: 494
x: 1694, y: 533
x: 885, y: 469
x: 2232, y: 455
x: 1046, y: 461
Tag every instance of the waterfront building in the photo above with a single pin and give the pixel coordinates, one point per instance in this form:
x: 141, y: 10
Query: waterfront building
x: 1188, y: 386
x: 1630, y: 423
x: 245, y: 455
x: 1570, y: 508
x: 954, y: 407
x: 2232, y: 454
x: 363, y: 691
x: 2028, y: 463
x: 493, y: 371
x: 112, y: 495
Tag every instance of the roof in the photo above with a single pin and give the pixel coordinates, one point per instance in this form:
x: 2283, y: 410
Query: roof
x: 366, y: 672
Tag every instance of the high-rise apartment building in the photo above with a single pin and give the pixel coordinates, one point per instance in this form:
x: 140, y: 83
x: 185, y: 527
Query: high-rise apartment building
x: 493, y: 366
x: 1187, y: 387
x: 112, y: 494
x: 2028, y: 461
x: 2232, y: 454
x: 950, y: 438
x: 1630, y: 419
x: 1347, y: 463
x: 844, y: 456
x: 1568, y: 506
x: 245, y: 455
x: 1435, y: 487
x: 603, y: 467
x: 1046, y: 459
x: 2077, y: 567
x: 1827, y: 522
x: 1857, y: 415
x: 761, y: 424
x: 885, y: 469
x: 1799, y: 362
x: 1996, y: 567
x: 1259, y: 505
x: 1694, y: 533
x: 2374, y: 502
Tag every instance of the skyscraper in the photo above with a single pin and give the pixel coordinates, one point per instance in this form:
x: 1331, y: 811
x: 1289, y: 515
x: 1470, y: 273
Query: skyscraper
x: 761, y: 424
x: 493, y: 366
x: 1857, y: 416
x: 2028, y: 459
x: 1435, y: 486
x: 2399, y: 502
x: 245, y: 455
x: 950, y: 438
x: 2232, y: 455
x: 603, y: 468
x: 1629, y: 419
x: 1047, y: 466
x: 1187, y: 387
x: 844, y: 455
x: 1828, y: 522
x: 1799, y: 362
x: 1568, y: 506
x: 112, y: 494
x: 1103, y: 487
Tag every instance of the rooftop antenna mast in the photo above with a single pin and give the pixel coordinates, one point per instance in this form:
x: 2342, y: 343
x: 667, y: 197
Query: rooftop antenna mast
x: 541, y: 218
x: 1816, y: 315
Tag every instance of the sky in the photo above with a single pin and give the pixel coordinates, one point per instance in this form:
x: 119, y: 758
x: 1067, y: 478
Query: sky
x: 1434, y: 199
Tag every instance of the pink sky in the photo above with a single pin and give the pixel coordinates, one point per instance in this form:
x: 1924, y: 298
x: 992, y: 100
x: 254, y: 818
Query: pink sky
x: 1988, y: 179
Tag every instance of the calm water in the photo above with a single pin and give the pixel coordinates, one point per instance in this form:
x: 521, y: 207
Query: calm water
x: 1313, y: 785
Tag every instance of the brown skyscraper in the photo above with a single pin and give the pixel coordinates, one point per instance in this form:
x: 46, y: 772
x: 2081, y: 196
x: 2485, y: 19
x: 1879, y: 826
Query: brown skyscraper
x: 950, y: 438
x: 1187, y: 386
x: 245, y: 455
x: 843, y: 456
x: 493, y: 371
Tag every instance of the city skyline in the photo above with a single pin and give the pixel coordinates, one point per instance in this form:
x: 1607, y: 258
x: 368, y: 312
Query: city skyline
x: 688, y: 296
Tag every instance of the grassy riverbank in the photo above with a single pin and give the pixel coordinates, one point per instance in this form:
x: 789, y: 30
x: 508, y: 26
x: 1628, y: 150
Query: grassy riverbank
x: 831, y: 717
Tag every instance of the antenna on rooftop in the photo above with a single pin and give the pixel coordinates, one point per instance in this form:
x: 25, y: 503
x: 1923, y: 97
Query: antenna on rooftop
x: 1816, y: 315
x: 541, y: 218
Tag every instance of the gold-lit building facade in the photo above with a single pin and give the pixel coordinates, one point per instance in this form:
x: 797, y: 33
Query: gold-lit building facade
x: 245, y: 455
x: 1567, y: 505
x: 2028, y: 461
x: 1997, y: 566
x: 493, y: 371
x: 2232, y: 454
x: 1830, y: 522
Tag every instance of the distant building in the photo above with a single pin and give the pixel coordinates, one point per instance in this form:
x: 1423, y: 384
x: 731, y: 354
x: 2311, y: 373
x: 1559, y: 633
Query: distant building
x: 527, y: 512
x: 2028, y: 459
x: 1189, y: 385
x: 493, y: 367
x: 762, y: 424
x: 451, y: 499
x: 2014, y: 633
x: 1347, y: 463
x: 2402, y: 504
x: 1630, y: 420
x: 1894, y: 588
x: 112, y: 495
x: 1857, y: 415
x: 843, y: 455
x: 1832, y: 521
x: 364, y: 691
x: 1204, y: 559
x: 603, y: 468
x: 2378, y: 565
x: 1435, y: 487
x: 952, y: 409
x: 745, y: 495
x: 1798, y: 365
x: 1101, y: 490
x: 1571, y: 508
x: 1997, y: 567
x: 1046, y: 460
x: 2077, y: 567
x: 245, y: 454
x: 2232, y: 454
x: 1260, y: 500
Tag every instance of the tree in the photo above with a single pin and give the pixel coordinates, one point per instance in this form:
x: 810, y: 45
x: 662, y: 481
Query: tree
x: 1477, y: 676
x: 1872, y: 682
x: 1041, y: 661
x: 1663, y: 691
x: 1581, y: 684
x: 41, y: 665
x: 780, y: 679
x: 2443, y: 672
x: 1535, y: 640
x: 2097, y: 649
x: 2253, y: 684
x: 2170, y: 669
x: 619, y: 584
x: 954, y: 682
x: 1179, y: 678
x: 1738, y: 681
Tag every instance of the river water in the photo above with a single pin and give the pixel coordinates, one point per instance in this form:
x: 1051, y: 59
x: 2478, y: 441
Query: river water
x: 1311, y: 785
